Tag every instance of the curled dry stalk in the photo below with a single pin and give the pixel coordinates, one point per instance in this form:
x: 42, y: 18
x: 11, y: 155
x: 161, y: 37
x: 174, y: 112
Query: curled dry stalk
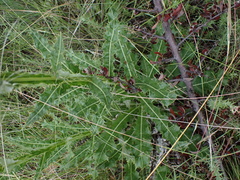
x: 169, y: 38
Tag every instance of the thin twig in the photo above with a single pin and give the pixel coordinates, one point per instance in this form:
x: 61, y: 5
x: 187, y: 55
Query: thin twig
x: 142, y: 10
x: 202, y: 25
x: 163, y: 61
x: 149, y: 34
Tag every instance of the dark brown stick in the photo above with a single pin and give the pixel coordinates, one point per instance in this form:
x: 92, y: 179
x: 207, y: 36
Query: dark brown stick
x: 142, y: 10
x: 158, y: 7
x: 176, y: 55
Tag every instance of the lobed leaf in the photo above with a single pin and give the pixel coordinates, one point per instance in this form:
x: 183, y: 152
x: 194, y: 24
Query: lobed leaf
x: 101, y: 91
x: 50, y: 96
x: 157, y: 89
x: 49, y: 149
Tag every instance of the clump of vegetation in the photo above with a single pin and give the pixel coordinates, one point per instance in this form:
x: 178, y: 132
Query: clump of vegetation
x: 119, y: 90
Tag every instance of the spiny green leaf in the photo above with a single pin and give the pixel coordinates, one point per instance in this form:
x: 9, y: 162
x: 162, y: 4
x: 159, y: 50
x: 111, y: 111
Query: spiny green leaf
x: 121, y: 122
x: 42, y: 44
x: 110, y: 50
x: 50, y: 96
x: 103, y: 147
x: 162, y: 172
x: 220, y: 103
x: 171, y: 133
x: 113, y: 12
x: 128, y: 59
x: 117, y: 50
x: 53, y: 53
x: 81, y: 60
x: 157, y: 89
x: 30, y: 78
x: 153, y: 111
x: 98, y: 88
x: 101, y: 91
x: 131, y: 172
x: 40, y: 151
x: 142, y: 129
x: 169, y: 130
x: 57, y: 57
x: 204, y: 85
x: 188, y: 51
x: 146, y: 67
x: 142, y: 160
